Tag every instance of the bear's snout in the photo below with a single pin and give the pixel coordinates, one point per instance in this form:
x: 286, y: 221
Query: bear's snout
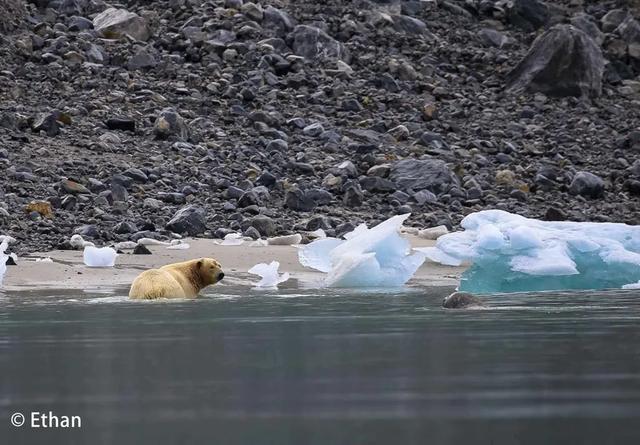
x: 220, y: 276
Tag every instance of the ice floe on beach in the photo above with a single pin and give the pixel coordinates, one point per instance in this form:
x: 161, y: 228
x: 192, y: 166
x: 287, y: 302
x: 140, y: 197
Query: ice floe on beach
x: 4, y: 244
x: 269, y: 274
x: 376, y: 257
x: 99, y: 257
x: 511, y: 253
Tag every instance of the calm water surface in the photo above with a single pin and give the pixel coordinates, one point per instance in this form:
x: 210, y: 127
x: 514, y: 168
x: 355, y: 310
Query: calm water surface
x: 315, y: 367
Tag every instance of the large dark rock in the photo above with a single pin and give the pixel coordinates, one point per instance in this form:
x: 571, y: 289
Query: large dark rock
x: 564, y: 61
x: 312, y: 42
x: 296, y: 199
x: 587, y: 184
x: 528, y: 14
x: 188, y: 220
x: 423, y: 174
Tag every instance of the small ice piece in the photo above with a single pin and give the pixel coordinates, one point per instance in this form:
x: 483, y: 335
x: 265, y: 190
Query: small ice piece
x: 232, y: 239
x: 178, y: 245
x: 376, y: 257
x: 285, y: 240
x: 77, y: 242
x: 269, y: 274
x: 317, y: 234
x: 4, y: 244
x: 99, y: 257
x: 44, y: 260
x: 152, y: 242
x: 632, y: 286
x: 511, y: 253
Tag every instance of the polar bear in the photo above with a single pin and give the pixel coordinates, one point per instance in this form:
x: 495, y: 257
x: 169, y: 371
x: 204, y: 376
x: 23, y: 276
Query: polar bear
x: 178, y: 280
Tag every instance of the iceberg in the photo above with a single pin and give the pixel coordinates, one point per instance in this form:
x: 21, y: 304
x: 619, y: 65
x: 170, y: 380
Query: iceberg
x: 511, y: 253
x: 376, y: 257
x: 269, y: 274
x: 99, y: 257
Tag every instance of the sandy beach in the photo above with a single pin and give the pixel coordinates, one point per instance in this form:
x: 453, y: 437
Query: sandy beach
x: 67, y: 270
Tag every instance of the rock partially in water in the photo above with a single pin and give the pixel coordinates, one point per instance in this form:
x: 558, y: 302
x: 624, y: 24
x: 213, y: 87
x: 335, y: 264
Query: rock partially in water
x: 462, y: 300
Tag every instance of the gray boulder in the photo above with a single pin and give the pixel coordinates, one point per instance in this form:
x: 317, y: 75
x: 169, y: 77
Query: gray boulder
x: 587, y: 184
x: 296, y: 199
x: 312, y: 42
x: 423, y: 174
x: 563, y: 61
x: 115, y: 23
x: 170, y: 123
x: 264, y: 225
x: 188, y: 220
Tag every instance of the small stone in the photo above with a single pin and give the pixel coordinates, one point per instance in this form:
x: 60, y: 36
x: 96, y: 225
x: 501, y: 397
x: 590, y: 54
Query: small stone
x: 141, y: 249
x: 121, y: 123
x: 43, y: 208
x: 170, y: 123
x: 73, y: 187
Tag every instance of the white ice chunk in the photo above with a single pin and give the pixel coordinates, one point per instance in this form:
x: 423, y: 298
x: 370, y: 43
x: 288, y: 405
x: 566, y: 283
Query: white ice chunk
x: 376, y: 257
x: 77, y: 242
x: 632, y: 286
x: 317, y: 234
x: 232, y: 239
x: 285, y: 240
x: 180, y: 245
x: 4, y: 244
x: 359, y: 230
x: 316, y: 254
x: 99, y: 257
x: 269, y: 274
x: 259, y: 243
x: 511, y: 253
x: 152, y: 242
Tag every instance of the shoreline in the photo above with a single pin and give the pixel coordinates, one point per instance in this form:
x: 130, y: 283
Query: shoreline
x: 67, y: 269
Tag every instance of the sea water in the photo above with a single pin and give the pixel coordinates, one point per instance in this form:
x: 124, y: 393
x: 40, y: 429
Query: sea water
x: 322, y: 367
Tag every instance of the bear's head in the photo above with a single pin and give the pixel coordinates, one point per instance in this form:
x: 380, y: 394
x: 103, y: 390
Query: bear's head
x: 210, y: 271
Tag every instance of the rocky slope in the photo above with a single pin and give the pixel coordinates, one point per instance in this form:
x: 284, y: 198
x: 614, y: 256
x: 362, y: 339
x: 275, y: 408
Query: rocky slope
x: 199, y: 117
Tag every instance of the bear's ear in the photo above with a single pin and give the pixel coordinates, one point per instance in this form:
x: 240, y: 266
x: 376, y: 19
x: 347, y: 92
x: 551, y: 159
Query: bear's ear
x: 199, y: 263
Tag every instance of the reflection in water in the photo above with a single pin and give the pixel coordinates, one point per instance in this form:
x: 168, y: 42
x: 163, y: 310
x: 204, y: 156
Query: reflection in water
x: 338, y: 368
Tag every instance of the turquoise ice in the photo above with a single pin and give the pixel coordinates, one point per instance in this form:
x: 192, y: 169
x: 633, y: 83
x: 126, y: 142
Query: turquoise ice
x: 511, y: 253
